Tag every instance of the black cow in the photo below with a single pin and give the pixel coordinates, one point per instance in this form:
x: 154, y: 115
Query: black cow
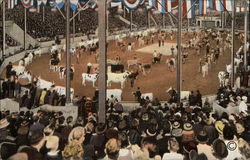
x: 117, y: 67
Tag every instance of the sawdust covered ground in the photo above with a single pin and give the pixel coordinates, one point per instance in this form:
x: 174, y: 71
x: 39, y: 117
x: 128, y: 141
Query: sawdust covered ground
x: 156, y: 82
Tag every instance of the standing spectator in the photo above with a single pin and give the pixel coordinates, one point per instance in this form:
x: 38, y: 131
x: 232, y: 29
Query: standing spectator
x: 52, y: 145
x: 8, y: 70
x: 89, y: 65
x: 198, y: 98
x: 173, y: 148
x: 42, y: 96
x: 36, y: 140
x: 17, y: 89
x: 138, y: 94
x: 5, y: 88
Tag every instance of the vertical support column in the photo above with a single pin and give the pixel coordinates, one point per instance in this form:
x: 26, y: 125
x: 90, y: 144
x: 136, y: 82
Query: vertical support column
x: 25, y: 28
x: 43, y: 14
x: 124, y: 12
x: 232, y: 48
x: 79, y: 16
x: 131, y: 27
x: 4, y: 34
x: 74, y: 26
x: 245, y: 35
x: 107, y: 23
x: 148, y: 16
x: 102, y: 82
x: 222, y: 19
x: 163, y: 20
x: 179, y: 56
x: 68, y: 56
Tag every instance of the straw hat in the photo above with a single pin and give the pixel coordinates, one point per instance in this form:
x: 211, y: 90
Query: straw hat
x: 187, y: 126
x: 219, y: 125
x: 4, y: 123
x: 176, y: 124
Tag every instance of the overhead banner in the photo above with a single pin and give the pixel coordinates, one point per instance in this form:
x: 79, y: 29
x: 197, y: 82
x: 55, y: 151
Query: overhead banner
x: 73, y: 4
x: 131, y: 4
x: 27, y: 3
x: 59, y: 3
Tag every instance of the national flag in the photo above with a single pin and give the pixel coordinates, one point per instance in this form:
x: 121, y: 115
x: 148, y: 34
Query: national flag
x: 203, y: 7
x: 188, y: 9
x: 164, y: 6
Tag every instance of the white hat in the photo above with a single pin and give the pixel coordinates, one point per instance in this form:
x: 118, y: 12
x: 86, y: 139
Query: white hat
x: 4, y: 123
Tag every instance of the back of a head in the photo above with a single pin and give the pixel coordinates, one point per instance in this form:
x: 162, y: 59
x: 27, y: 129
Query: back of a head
x: 52, y: 142
x: 113, y: 148
x: 228, y: 132
x: 35, y: 137
x: 173, y: 145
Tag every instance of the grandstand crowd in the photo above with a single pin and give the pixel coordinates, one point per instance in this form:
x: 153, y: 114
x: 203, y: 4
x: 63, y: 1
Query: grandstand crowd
x: 153, y: 131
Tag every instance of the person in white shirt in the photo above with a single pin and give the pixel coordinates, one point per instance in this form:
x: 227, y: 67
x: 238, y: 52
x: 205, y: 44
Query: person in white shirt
x: 173, y: 148
x: 243, y: 107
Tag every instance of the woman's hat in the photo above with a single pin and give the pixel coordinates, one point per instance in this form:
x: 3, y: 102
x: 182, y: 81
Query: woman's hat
x: 219, y: 125
x: 202, y: 137
x: 220, y: 149
x: 100, y: 128
x: 177, y: 132
x: 176, y: 125
x: 4, y: 123
x: 187, y: 126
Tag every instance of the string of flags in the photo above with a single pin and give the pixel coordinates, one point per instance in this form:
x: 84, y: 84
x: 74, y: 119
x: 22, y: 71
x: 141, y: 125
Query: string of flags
x: 161, y: 6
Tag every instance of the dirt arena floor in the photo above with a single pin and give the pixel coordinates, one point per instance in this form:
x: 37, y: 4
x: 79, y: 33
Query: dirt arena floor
x: 156, y: 82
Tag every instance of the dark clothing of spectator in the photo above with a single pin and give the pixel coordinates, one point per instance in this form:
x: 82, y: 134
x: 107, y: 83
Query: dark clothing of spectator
x: 32, y: 153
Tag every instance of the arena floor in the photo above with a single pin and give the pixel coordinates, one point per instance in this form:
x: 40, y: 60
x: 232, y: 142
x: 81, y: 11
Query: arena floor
x: 164, y: 50
x: 156, y: 82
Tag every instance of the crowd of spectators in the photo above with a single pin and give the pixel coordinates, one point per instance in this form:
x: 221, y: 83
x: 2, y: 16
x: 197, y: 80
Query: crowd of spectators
x: 164, y: 131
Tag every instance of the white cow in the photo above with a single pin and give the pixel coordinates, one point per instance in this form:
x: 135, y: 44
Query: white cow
x: 117, y: 93
x: 41, y: 83
x: 237, y: 61
x: 38, y: 52
x: 73, y: 50
x: 223, y: 77
x: 53, y: 48
x: 89, y: 78
x: 132, y: 62
x: 204, y: 69
x: 18, y: 69
x: 25, y: 75
x: 117, y: 78
x: 27, y: 61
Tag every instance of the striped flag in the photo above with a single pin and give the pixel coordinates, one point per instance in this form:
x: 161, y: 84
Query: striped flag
x: 164, y: 6
x: 11, y: 4
x: 188, y: 9
x: 203, y: 7
x: 228, y: 4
